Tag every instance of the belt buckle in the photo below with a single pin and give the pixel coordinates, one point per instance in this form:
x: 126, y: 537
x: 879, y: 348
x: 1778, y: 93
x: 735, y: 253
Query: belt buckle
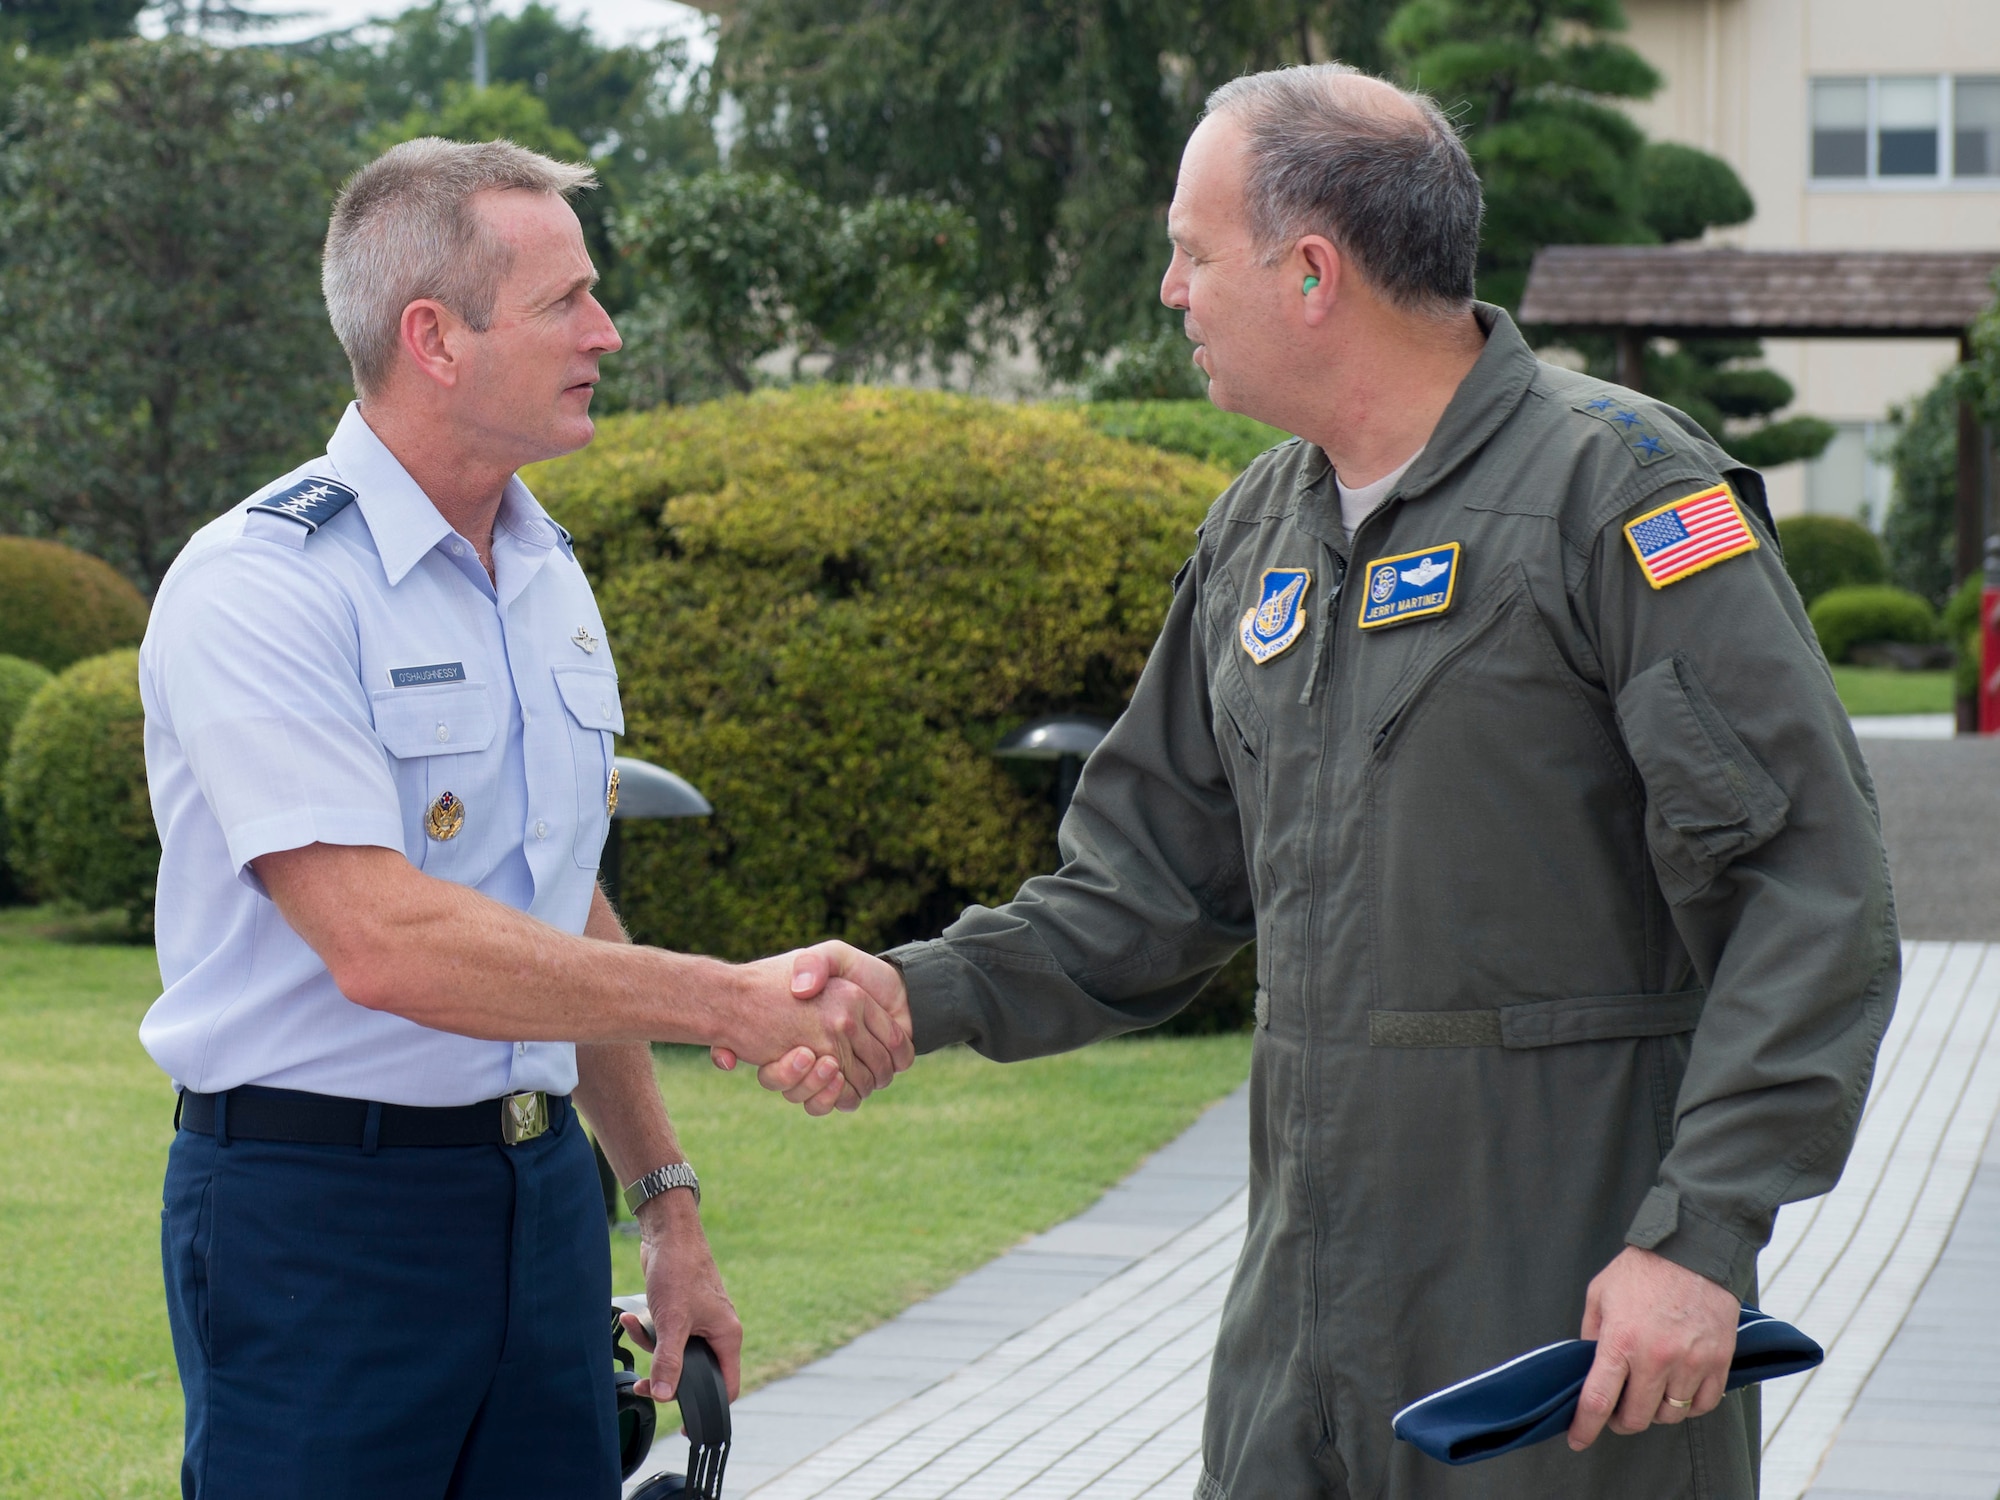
x: 523, y: 1116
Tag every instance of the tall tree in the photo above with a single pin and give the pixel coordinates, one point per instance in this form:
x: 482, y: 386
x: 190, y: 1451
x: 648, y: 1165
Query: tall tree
x: 60, y: 25
x: 1056, y: 124
x: 162, y: 339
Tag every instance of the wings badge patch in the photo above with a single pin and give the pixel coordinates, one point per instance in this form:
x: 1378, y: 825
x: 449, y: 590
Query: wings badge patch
x: 1409, y: 586
x: 1278, y: 618
x: 1693, y: 533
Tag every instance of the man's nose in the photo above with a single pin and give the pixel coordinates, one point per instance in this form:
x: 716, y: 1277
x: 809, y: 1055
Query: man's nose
x: 1173, y: 286
x: 604, y: 338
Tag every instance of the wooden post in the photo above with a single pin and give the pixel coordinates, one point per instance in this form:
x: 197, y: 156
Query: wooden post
x: 1632, y: 359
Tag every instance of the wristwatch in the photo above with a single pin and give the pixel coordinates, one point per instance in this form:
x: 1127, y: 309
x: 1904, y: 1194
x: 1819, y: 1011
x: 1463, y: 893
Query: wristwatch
x: 663, y: 1180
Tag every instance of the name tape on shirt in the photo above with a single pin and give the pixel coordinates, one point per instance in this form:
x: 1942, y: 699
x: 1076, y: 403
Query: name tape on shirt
x: 1695, y: 532
x: 1409, y: 586
x: 1278, y: 618
x: 444, y: 671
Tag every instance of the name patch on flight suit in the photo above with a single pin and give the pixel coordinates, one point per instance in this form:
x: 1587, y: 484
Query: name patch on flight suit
x: 1409, y: 586
x: 444, y: 671
x: 1278, y: 618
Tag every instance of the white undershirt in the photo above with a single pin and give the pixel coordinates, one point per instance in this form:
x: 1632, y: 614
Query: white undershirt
x: 1357, y: 504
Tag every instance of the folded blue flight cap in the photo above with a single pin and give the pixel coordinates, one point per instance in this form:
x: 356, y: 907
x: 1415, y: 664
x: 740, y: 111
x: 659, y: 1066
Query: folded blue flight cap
x: 1533, y: 1396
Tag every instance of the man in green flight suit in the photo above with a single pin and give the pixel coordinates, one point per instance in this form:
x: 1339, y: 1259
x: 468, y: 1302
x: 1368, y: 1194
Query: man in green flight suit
x: 1487, y: 708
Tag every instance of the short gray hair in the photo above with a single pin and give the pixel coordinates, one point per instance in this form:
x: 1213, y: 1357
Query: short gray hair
x: 1394, y: 190
x: 404, y: 228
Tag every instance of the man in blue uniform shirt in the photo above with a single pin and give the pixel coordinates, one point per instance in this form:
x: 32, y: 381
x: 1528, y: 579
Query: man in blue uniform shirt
x: 380, y: 704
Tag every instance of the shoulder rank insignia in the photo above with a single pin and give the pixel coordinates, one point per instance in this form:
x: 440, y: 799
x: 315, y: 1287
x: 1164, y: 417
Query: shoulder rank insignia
x: 1278, y: 618
x: 1640, y: 435
x: 311, y: 502
x: 611, y: 795
x: 1695, y: 532
x: 445, y: 817
x: 1409, y: 586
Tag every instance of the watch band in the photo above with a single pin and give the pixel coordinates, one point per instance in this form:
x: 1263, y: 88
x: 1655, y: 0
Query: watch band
x: 663, y: 1180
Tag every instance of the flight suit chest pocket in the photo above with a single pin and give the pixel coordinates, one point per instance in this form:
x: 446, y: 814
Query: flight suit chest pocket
x: 435, y: 735
x: 590, y: 695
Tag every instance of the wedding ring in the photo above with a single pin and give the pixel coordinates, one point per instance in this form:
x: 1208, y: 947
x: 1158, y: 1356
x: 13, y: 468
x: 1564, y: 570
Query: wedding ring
x: 1680, y: 1405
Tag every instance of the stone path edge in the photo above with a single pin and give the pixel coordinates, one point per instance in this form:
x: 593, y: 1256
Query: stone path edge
x: 789, y: 1420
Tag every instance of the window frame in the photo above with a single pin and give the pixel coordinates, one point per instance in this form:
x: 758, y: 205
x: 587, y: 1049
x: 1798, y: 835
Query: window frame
x: 1944, y: 179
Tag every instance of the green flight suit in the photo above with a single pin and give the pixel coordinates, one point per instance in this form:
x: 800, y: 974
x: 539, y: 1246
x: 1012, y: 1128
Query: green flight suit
x: 1573, y: 919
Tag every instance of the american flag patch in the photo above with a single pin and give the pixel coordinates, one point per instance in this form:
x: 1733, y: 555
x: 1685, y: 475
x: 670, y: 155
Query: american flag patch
x: 1689, y: 535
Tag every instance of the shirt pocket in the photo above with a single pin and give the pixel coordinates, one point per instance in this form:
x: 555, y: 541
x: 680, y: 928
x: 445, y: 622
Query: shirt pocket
x: 590, y: 695
x: 431, y: 732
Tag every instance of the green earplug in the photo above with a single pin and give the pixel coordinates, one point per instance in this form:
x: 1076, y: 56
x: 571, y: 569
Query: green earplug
x: 1311, y: 282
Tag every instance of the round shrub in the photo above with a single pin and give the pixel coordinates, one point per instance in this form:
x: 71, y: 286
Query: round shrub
x: 19, y: 681
x: 828, y: 606
x: 75, y: 787
x: 1823, y: 553
x: 58, y: 605
x: 1845, y: 618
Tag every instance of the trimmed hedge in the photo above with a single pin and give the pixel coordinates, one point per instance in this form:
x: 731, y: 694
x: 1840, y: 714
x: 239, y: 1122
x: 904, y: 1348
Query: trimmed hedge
x: 1823, y: 553
x: 75, y: 789
x: 829, y: 604
x: 58, y: 605
x: 19, y: 681
x: 1196, y: 428
x: 1845, y: 618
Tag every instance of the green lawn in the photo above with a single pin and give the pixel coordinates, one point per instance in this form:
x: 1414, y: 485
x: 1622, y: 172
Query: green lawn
x: 822, y: 1227
x: 1882, y: 690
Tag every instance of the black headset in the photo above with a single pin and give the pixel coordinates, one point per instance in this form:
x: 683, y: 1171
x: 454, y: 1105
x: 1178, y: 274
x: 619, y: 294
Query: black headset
x: 704, y: 1403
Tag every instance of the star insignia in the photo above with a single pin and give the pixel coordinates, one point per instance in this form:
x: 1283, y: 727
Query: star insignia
x: 1602, y: 403
x: 1626, y: 419
x: 1651, y: 446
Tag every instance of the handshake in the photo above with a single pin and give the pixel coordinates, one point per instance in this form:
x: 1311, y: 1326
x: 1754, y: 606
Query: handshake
x: 830, y: 1022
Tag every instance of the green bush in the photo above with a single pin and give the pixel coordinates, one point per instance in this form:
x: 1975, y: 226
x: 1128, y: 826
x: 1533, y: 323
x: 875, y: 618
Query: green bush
x: 58, y: 605
x: 19, y: 681
x: 75, y: 790
x: 829, y: 604
x: 1844, y: 618
x: 1823, y: 553
x: 1961, y: 628
x: 1921, y: 529
x: 1224, y: 438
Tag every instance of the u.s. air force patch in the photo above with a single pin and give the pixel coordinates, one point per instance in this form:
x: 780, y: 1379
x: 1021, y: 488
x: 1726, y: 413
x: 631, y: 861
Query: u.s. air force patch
x: 1409, y: 586
x: 1278, y: 618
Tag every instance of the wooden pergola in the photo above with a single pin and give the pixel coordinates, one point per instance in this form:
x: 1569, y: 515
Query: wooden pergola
x: 1641, y: 292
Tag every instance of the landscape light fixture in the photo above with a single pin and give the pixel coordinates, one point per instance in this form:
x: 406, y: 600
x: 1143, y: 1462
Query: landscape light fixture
x: 1066, y: 739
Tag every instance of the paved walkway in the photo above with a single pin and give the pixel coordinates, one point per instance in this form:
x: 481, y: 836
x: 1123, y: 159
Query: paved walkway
x: 1076, y: 1365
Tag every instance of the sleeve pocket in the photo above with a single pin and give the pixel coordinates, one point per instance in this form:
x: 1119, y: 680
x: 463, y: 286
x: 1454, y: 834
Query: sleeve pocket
x: 1708, y: 800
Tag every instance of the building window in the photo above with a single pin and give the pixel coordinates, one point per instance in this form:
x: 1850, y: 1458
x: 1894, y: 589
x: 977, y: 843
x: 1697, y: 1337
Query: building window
x: 1906, y: 129
x: 1852, y: 477
x: 1975, y: 127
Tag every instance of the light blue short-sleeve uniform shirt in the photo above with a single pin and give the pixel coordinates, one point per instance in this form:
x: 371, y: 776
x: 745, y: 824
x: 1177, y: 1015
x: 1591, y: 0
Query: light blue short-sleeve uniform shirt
x: 341, y: 670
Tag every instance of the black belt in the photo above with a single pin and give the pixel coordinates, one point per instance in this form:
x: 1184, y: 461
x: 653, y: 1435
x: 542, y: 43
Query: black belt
x: 255, y: 1113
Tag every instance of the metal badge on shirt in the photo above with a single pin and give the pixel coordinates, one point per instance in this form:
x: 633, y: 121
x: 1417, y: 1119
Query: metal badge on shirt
x: 1275, y: 622
x: 1695, y: 532
x: 443, y: 671
x: 445, y: 817
x: 1409, y: 586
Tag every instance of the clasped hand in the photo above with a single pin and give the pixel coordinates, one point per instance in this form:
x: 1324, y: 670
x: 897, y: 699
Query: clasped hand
x: 828, y: 1025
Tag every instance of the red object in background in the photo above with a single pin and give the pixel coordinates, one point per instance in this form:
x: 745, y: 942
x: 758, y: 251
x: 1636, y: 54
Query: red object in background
x: 1989, y: 656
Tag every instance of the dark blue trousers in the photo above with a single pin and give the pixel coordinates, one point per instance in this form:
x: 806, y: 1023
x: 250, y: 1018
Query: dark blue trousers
x: 421, y: 1322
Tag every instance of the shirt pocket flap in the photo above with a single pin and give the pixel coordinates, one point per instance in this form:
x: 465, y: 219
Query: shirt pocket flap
x: 453, y: 720
x: 591, y: 696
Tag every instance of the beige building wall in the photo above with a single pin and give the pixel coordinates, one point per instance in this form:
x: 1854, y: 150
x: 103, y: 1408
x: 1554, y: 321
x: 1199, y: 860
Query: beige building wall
x: 1738, y: 84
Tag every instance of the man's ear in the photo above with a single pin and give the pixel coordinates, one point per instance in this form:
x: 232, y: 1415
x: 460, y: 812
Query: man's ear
x: 1319, y: 266
x: 432, y: 338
